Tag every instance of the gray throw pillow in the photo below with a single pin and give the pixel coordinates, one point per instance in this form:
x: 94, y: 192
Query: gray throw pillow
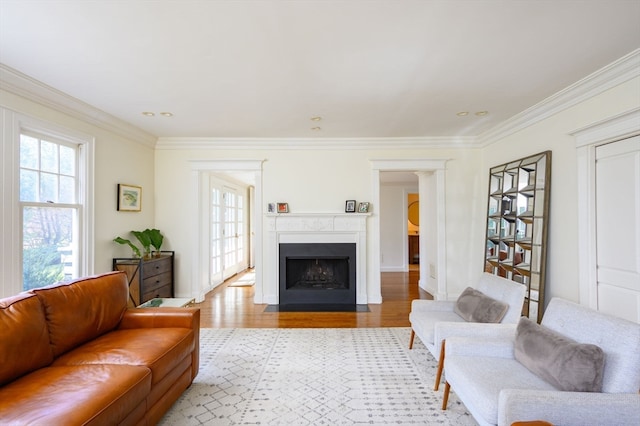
x: 475, y: 306
x: 560, y: 361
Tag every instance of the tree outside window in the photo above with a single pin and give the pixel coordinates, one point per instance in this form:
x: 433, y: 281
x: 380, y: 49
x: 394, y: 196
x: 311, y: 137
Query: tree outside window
x: 49, y: 207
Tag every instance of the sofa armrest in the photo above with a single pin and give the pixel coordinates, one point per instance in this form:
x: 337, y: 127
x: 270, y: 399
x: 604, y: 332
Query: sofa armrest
x: 568, y: 408
x: 167, y: 318
x: 418, y: 305
x: 499, y: 347
x: 161, y: 318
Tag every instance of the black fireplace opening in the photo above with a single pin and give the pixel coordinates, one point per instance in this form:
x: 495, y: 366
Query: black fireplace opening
x: 317, y: 273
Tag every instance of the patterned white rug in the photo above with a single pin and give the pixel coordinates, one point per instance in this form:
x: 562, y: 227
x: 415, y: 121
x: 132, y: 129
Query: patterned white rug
x: 322, y: 376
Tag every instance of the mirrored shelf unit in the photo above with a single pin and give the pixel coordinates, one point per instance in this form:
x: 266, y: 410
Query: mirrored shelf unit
x: 517, y: 223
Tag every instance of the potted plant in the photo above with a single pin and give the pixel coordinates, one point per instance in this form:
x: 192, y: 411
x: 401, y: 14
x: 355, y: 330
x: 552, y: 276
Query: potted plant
x: 147, y: 238
x: 136, y: 250
x: 156, y: 238
x: 144, y: 239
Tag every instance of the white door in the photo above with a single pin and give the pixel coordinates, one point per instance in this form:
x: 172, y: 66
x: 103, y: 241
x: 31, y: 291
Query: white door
x: 227, y: 224
x: 618, y: 228
x: 233, y: 232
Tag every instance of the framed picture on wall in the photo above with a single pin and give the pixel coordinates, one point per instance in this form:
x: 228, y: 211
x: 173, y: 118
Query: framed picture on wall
x: 129, y: 198
x: 283, y: 208
x: 350, y: 206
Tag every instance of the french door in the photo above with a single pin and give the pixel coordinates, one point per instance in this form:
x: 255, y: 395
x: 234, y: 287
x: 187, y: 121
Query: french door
x: 227, y: 231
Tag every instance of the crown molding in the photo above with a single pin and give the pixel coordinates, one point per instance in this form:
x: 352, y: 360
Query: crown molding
x: 316, y: 143
x: 618, y: 72
x: 29, y: 88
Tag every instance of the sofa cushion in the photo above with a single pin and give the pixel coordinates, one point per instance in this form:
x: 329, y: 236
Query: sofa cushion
x: 83, y: 309
x: 76, y: 395
x: 475, y: 306
x: 24, y: 337
x: 562, y: 362
x: 159, y: 349
x: 478, y: 380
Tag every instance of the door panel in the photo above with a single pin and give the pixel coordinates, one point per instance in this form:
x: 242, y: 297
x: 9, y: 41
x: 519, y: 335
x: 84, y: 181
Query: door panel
x: 618, y: 228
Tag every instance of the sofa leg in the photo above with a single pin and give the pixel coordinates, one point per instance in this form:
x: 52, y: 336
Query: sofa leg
x: 445, y: 400
x: 413, y: 336
x: 440, y: 367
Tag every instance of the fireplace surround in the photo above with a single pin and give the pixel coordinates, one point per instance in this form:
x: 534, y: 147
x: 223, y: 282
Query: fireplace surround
x: 315, y: 228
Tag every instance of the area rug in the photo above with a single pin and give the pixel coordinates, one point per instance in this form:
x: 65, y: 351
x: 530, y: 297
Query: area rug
x: 323, y: 376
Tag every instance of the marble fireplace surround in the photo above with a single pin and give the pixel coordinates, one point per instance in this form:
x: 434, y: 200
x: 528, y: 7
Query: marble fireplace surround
x: 315, y: 228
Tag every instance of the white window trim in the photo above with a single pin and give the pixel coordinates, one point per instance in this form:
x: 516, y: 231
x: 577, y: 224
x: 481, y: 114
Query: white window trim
x: 10, y: 251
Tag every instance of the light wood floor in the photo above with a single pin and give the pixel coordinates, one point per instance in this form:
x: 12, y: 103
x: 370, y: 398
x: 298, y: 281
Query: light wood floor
x: 233, y: 307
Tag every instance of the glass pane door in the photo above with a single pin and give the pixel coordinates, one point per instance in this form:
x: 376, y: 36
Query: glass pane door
x: 216, y: 241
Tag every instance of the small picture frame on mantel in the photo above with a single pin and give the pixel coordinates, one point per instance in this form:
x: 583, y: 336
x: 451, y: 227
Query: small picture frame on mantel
x: 363, y: 207
x: 350, y: 206
x: 283, y: 208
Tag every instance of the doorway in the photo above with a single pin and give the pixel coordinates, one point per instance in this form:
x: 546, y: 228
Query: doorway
x: 608, y: 159
x: 431, y: 186
x: 413, y: 230
x: 227, y: 225
x: 248, y: 176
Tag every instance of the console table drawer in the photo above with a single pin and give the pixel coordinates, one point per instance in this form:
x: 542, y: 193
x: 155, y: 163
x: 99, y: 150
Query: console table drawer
x: 151, y: 283
x: 158, y: 293
x: 155, y: 267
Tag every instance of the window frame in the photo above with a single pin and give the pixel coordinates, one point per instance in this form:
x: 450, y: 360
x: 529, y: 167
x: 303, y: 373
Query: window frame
x: 85, y: 184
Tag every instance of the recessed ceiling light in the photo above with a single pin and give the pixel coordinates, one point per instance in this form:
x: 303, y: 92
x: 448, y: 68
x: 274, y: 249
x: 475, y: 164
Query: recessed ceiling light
x: 462, y: 113
x: 148, y: 113
x: 166, y: 114
x: 482, y: 113
x: 316, y: 129
x: 317, y: 118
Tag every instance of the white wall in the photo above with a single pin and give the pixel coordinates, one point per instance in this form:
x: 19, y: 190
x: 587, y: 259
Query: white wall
x: 554, y: 134
x: 117, y: 160
x: 320, y: 180
x: 311, y: 181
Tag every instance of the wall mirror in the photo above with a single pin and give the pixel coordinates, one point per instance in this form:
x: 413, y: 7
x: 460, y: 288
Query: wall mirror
x: 517, y: 216
x: 414, y: 213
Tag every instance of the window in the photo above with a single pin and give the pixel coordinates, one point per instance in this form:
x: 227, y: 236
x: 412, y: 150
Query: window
x: 50, y: 209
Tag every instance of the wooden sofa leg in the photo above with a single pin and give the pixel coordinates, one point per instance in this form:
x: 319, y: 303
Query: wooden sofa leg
x: 440, y: 367
x: 413, y: 336
x: 445, y: 399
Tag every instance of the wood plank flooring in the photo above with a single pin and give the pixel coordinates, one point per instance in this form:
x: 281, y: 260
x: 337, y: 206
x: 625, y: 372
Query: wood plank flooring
x: 232, y: 307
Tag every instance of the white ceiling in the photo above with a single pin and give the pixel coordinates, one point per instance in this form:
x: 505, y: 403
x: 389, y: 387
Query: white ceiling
x: 262, y: 69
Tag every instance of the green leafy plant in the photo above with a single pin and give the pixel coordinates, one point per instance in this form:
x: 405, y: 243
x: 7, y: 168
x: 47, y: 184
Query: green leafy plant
x: 155, y: 237
x: 147, y: 238
x: 144, y: 239
x: 120, y: 240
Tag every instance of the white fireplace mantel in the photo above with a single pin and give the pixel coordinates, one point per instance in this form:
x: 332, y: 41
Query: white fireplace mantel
x: 315, y: 228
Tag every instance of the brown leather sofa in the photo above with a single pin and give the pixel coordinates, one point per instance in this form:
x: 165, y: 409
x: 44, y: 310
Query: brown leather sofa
x: 74, y: 354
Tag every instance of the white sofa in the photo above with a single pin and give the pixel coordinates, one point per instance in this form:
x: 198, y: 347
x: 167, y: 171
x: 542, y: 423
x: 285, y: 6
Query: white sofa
x: 498, y: 389
x: 433, y: 321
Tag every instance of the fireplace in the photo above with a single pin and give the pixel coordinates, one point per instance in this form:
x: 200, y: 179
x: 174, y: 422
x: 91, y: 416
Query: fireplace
x: 288, y: 229
x: 317, y: 273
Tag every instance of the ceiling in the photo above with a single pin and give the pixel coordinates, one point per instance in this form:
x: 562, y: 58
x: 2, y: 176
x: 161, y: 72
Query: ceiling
x: 263, y: 69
